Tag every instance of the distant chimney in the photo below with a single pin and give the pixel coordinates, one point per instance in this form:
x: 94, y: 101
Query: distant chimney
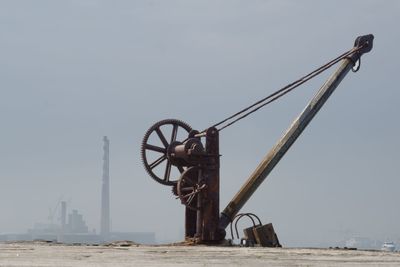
x: 105, y: 193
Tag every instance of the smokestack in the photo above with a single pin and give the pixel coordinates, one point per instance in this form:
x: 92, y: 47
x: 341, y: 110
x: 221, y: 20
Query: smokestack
x: 105, y: 193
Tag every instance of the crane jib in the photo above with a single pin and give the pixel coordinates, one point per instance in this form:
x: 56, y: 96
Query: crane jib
x: 363, y: 44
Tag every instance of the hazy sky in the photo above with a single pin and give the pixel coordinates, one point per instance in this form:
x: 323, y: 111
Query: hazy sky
x: 74, y: 71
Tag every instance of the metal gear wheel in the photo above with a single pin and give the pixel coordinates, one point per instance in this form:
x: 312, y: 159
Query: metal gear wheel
x: 159, y: 129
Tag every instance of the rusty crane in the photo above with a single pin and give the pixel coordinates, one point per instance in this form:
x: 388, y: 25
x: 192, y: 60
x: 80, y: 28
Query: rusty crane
x: 195, y: 157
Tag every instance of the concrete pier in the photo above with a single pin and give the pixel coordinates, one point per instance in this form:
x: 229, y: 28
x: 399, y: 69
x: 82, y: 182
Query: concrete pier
x: 45, y: 255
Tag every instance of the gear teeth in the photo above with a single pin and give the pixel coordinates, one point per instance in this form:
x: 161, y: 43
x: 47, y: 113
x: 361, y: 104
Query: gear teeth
x: 175, y: 190
x: 188, y: 175
x: 181, y: 124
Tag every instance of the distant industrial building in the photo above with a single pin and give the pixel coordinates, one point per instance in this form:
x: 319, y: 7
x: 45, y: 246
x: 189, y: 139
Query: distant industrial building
x: 76, y: 224
x: 75, y: 230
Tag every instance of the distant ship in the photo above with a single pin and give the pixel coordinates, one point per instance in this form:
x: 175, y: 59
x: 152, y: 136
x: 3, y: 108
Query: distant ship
x: 388, y: 246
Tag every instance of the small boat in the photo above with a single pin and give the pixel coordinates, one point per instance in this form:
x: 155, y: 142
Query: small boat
x: 388, y: 246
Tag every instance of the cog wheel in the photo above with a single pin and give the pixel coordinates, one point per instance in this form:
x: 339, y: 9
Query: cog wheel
x: 189, y: 187
x: 158, y: 130
x: 175, y: 190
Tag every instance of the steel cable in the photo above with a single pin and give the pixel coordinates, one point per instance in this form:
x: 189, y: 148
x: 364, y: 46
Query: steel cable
x: 281, y: 92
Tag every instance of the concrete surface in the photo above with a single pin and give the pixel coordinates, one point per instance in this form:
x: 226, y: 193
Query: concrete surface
x: 43, y: 254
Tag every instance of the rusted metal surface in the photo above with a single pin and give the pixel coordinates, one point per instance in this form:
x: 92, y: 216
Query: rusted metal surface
x: 198, y: 165
x: 198, y: 186
x: 190, y: 223
x: 197, y: 159
x: 257, y: 234
x: 158, y: 130
x: 265, y: 236
x: 249, y: 235
x: 189, y: 186
x: 210, y: 196
x: 293, y: 132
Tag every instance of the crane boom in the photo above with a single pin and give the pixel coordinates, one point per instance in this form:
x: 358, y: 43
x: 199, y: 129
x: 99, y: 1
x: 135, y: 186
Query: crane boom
x: 363, y: 44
